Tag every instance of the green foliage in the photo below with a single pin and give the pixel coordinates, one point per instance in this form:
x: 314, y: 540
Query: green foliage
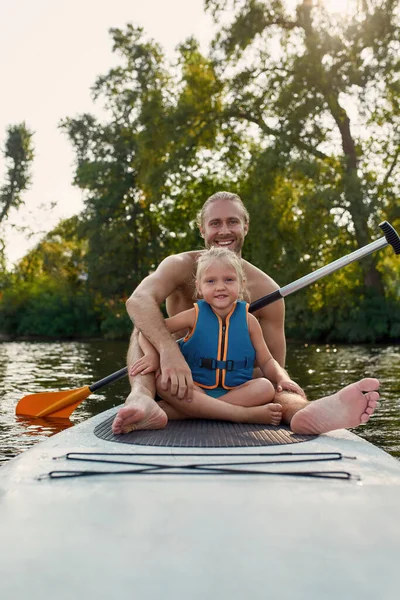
x: 19, y: 154
x: 119, y: 165
x: 47, y: 295
x: 44, y: 309
x: 115, y: 322
x: 363, y: 318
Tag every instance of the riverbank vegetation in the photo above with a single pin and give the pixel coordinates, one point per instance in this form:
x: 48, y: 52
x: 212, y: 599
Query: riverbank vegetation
x: 296, y: 111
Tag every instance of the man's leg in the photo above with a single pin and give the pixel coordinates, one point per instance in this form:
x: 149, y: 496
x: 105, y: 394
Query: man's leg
x: 291, y: 404
x: 290, y: 401
x: 140, y: 410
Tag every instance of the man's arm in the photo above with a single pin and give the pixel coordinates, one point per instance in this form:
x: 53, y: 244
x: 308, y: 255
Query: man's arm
x: 272, y: 322
x: 150, y: 362
x: 144, y: 309
x: 264, y: 358
x: 271, y: 317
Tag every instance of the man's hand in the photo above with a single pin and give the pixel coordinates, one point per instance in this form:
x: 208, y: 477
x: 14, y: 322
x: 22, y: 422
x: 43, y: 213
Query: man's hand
x: 175, y: 374
x: 289, y: 386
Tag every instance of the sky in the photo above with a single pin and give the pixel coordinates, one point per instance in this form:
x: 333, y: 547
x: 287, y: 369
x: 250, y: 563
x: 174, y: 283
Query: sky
x: 55, y: 51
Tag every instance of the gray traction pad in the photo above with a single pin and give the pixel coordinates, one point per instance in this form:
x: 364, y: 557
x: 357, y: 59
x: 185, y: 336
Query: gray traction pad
x: 201, y: 433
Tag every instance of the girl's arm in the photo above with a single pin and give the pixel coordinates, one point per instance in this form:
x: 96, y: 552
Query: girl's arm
x: 268, y: 365
x: 146, y: 346
x: 183, y: 320
x: 149, y: 362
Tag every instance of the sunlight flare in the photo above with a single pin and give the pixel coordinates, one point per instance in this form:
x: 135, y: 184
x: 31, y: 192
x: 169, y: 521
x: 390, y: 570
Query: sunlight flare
x: 338, y: 6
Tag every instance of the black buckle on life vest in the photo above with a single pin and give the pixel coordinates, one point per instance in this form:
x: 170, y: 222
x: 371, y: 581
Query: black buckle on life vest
x: 208, y: 363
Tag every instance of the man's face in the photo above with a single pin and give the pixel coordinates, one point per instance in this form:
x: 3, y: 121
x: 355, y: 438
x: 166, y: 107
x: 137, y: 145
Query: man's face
x: 224, y: 226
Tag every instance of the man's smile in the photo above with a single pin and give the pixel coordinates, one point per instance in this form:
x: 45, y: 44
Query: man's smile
x: 224, y: 242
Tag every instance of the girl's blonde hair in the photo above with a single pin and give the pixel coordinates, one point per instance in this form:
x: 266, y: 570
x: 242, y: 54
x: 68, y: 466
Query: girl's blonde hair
x: 225, y: 256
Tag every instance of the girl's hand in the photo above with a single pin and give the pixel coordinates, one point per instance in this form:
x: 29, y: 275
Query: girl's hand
x: 289, y: 386
x: 147, y: 364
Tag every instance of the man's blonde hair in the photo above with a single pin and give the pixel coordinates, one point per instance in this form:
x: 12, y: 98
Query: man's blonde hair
x: 227, y: 257
x: 221, y: 196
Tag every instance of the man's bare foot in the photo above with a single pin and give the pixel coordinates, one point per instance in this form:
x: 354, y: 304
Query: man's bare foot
x: 268, y: 414
x: 351, y: 406
x: 139, y: 412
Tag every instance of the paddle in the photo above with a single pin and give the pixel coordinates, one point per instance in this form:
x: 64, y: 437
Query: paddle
x: 62, y: 404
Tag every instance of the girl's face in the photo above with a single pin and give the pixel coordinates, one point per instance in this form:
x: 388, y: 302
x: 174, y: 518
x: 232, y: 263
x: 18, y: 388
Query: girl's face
x: 219, y: 285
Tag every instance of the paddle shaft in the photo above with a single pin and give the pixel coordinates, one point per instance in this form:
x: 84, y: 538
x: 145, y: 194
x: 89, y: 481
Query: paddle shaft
x: 391, y: 238
x: 109, y: 379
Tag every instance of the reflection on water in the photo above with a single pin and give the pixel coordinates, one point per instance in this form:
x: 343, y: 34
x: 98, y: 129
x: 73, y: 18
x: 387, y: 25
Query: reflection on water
x: 29, y: 367
x: 47, y: 426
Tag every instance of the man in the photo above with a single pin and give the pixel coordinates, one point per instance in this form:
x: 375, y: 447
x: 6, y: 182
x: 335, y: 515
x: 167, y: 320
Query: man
x: 223, y: 222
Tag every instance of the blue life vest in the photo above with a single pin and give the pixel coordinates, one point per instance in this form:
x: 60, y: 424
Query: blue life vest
x: 219, y: 355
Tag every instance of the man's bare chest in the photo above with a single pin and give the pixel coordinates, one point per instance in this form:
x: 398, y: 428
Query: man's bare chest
x: 181, y: 299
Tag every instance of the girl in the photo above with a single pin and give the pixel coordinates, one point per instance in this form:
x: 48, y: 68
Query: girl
x: 221, y: 347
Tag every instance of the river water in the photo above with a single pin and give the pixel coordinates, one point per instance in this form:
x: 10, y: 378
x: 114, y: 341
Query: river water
x: 29, y: 367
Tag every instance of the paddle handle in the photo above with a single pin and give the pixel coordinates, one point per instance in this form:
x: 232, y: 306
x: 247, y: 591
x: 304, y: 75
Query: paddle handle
x: 391, y: 238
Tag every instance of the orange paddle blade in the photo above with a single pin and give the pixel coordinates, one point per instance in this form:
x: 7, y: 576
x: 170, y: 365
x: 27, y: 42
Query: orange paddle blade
x: 54, y: 404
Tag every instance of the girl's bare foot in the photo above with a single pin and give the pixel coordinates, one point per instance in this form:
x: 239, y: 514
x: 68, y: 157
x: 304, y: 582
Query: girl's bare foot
x: 268, y: 414
x: 139, y: 412
x: 351, y: 406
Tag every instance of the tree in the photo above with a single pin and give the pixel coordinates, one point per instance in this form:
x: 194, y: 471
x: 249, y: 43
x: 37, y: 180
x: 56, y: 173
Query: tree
x: 303, y: 80
x: 140, y: 171
x: 19, y: 155
x: 118, y: 164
